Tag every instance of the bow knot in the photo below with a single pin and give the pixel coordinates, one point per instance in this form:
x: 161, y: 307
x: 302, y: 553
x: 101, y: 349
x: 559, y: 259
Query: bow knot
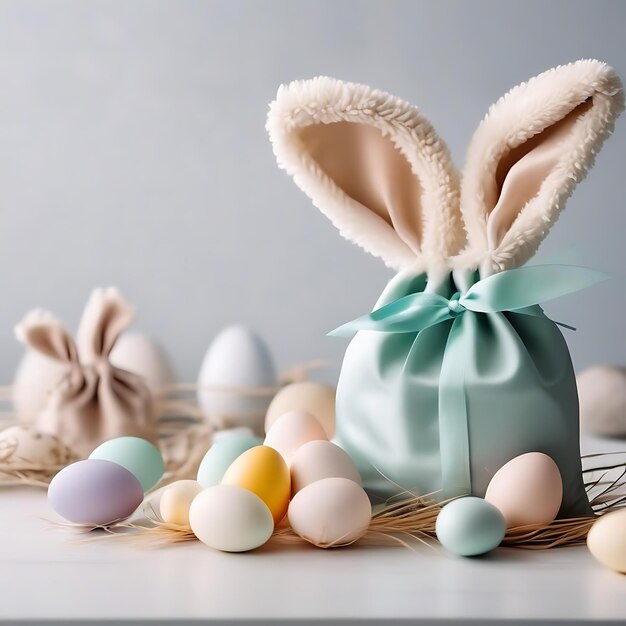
x: 454, y: 306
x: 517, y: 291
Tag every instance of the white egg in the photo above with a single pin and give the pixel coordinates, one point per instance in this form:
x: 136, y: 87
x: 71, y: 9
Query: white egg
x: 140, y: 355
x: 330, y: 513
x: 25, y: 445
x: 176, y: 500
x: 317, y: 460
x: 230, y: 518
x: 35, y: 377
x: 236, y: 362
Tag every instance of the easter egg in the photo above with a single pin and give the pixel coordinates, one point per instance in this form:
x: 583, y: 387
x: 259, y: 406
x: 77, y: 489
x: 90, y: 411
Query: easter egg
x: 330, y: 513
x: 264, y: 472
x: 25, y: 445
x: 470, y: 526
x: 602, y: 395
x: 527, y: 490
x: 140, y: 355
x: 220, y: 457
x: 176, y: 500
x: 236, y: 362
x: 308, y: 396
x: 94, y: 492
x: 292, y: 430
x: 607, y: 540
x: 317, y: 460
x: 35, y: 377
x: 237, y: 431
x: 230, y: 518
x: 137, y: 455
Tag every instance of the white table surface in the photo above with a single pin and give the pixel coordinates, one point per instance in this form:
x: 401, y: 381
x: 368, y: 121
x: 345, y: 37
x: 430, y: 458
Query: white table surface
x: 45, y: 574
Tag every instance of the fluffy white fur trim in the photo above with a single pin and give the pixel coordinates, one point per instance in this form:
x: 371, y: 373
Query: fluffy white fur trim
x: 526, y: 111
x: 522, y: 113
x: 327, y: 100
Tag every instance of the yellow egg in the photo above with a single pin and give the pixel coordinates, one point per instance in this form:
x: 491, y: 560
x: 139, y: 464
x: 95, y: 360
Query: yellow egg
x: 527, y: 490
x: 263, y: 471
x: 177, y: 499
x: 607, y: 540
x: 309, y: 396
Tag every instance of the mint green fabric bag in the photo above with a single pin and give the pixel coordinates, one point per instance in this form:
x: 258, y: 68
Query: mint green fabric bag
x: 457, y: 371
x: 515, y: 393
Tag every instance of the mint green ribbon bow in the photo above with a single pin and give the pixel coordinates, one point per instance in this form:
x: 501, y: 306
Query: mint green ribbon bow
x: 518, y: 290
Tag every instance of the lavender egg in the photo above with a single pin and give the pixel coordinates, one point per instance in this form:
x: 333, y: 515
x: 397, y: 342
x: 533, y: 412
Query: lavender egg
x: 94, y: 492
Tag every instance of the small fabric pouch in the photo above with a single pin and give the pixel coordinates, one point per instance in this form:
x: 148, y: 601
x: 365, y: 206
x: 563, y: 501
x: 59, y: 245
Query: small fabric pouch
x: 94, y: 401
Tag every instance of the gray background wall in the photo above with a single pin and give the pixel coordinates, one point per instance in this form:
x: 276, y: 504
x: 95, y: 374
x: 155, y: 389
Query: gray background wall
x: 133, y: 153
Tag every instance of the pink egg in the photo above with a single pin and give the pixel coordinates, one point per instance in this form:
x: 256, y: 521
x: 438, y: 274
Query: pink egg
x: 527, y: 490
x: 291, y: 431
x: 330, y: 513
x: 317, y: 460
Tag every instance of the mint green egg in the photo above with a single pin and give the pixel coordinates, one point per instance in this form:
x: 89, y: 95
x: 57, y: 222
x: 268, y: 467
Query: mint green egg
x: 470, y: 526
x: 137, y: 455
x: 221, y: 455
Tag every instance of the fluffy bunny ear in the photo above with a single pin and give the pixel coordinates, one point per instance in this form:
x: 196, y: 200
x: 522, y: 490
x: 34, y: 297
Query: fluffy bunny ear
x: 373, y: 165
x: 41, y: 331
x: 105, y: 317
x: 527, y: 155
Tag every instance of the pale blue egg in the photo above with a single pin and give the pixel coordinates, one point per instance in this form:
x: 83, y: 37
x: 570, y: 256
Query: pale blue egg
x: 470, y: 526
x: 221, y: 455
x: 137, y: 455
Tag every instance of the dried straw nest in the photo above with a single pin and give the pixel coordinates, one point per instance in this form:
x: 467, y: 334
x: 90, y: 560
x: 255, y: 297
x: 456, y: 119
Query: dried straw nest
x: 412, y: 519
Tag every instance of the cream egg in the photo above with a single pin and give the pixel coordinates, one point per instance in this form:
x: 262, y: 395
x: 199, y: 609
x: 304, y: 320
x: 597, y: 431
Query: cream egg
x: 230, y: 518
x: 236, y: 380
x: 176, y: 500
x: 25, y: 445
x: 35, y: 377
x: 137, y: 353
x: 602, y: 396
x: 308, y: 396
x: 527, y: 490
x: 330, y: 513
x: 607, y: 540
x: 291, y: 431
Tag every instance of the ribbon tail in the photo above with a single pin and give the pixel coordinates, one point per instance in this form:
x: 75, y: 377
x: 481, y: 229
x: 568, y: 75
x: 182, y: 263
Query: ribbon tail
x: 453, y: 418
x: 409, y: 314
x: 519, y: 288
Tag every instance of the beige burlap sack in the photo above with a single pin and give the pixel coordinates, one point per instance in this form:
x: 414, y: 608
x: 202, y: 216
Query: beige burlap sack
x: 94, y: 401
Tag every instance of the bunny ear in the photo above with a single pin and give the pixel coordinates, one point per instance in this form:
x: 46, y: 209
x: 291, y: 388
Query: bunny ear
x: 105, y: 317
x: 41, y: 331
x: 527, y: 155
x: 373, y: 165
